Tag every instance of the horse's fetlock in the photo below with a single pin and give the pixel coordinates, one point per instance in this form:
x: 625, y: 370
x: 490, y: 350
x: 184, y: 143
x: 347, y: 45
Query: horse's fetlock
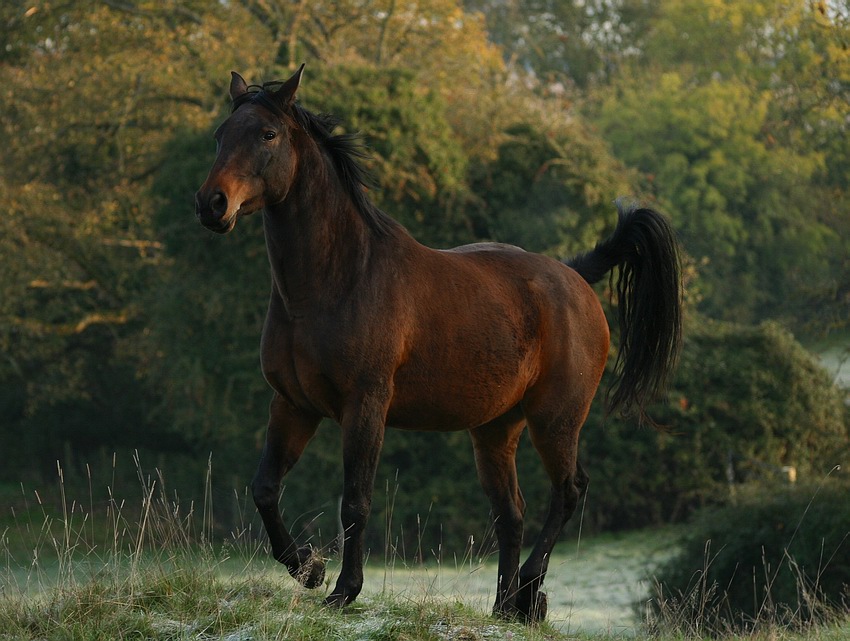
x: 353, y: 586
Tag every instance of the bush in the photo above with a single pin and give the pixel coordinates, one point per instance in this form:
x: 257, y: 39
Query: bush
x: 772, y: 557
x: 745, y: 402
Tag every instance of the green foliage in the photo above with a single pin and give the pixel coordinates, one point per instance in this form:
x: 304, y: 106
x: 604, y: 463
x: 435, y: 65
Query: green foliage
x: 549, y: 189
x: 741, y: 203
x: 774, y: 555
x: 418, y: 164
x: 745, y: 402
x: 91, y: 96
x: 727, y: 111
x: 125, y: 325
x: 570, y: 43
x: 202, y: 349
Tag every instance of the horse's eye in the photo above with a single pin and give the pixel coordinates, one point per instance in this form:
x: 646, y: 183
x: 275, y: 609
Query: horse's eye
x: 269, y: 135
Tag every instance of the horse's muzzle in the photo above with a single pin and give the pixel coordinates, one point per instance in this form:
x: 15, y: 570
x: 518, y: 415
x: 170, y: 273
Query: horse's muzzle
x: 211, y: 210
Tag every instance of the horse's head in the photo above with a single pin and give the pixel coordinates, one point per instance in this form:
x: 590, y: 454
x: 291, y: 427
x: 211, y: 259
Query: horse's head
x: 255, y: 162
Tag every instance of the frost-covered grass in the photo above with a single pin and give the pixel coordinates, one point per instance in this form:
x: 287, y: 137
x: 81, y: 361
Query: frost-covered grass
x: 151, y: 573
x: 203, y: 596
x: 593, y: 584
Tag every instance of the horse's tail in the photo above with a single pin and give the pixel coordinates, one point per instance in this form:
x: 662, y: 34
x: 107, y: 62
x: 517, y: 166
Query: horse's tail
x: 649, y: 293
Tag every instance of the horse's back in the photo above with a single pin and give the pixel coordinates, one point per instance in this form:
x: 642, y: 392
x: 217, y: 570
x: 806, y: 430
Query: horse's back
x: 484, y: 247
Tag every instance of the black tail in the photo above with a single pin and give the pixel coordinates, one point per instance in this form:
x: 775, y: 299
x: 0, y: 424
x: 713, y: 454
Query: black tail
x: 649, y: 293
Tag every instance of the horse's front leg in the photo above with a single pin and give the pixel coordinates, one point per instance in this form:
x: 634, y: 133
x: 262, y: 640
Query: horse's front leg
x: 362, y: 438
x: 288, y: 433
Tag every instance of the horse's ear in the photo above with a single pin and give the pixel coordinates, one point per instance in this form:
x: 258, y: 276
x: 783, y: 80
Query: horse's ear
x: 238, y: 86
x: 286, y: 93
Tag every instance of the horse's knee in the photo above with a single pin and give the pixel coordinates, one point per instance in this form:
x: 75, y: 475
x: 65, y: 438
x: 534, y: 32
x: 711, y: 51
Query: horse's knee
x: 265, y: 494
x: 354, y: 511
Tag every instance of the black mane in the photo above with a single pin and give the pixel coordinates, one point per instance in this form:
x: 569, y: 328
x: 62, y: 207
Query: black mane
x: 347, y: 151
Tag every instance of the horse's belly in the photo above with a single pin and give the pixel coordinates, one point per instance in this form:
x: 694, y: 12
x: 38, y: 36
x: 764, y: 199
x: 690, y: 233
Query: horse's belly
x: 437, y: 417
x: 448, y: 400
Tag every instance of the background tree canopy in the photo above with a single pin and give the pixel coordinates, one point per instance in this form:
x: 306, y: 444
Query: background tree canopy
x: 126, y: 326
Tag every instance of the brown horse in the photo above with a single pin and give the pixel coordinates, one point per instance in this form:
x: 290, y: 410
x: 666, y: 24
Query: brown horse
x: 370, y: 328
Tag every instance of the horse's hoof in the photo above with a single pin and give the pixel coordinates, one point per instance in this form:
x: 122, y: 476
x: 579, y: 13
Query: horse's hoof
x: 535, y: 612
x: 311, y: 568
x: 507, y: 612
x: 336, y: 601
x: 540, y: 610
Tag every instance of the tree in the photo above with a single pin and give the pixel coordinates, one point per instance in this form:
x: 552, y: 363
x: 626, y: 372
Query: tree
x: 550, y: 189
x: 732, y: 140
x: 567, y: 44
x: 92, y: 92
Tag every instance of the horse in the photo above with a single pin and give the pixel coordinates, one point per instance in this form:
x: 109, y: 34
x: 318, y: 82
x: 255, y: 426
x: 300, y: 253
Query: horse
x: 370, y: 328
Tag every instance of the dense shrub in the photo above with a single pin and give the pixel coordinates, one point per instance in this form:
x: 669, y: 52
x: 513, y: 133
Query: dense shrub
x: 745, y: 402
x: 772, y: 556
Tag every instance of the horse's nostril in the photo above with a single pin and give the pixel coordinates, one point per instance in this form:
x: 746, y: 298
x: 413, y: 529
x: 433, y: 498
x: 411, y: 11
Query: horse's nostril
x: 218, y: 204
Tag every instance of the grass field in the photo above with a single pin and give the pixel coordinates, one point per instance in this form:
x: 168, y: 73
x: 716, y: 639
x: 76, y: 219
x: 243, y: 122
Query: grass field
x: 592, y: 584
x: 149, y: 580
x: 150, y: 573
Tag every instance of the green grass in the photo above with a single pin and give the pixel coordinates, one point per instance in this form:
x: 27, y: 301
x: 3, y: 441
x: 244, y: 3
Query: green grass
x: 200, y: 596
x: 592, y: 584
x: 196, y: 598
x: 67, y: 572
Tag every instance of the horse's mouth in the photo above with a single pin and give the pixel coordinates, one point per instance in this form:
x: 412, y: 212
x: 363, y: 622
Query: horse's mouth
x: 225, y: 226
x: 222, y: 225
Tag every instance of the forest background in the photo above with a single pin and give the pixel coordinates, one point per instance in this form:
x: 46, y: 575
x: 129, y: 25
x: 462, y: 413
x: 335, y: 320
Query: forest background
x: 127, y: 328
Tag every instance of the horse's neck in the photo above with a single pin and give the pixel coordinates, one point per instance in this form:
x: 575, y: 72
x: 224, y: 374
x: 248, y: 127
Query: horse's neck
x: 318, y: 245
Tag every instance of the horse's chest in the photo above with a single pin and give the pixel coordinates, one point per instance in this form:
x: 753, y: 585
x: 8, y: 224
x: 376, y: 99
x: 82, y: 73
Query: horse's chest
x: 307, y: 367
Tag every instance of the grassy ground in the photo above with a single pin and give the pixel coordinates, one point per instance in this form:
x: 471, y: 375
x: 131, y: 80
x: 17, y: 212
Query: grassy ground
x: 174, y: 588
x: 66, y: 573
x: 592, y: 584
x: 194, y: 593
x: 49, y: 552
x: 197, y: 598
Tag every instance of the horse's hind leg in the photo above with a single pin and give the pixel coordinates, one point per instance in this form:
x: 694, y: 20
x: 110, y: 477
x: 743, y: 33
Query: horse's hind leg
x: 495, y: 447
x: 288, y: 434
x: 556, y: 441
